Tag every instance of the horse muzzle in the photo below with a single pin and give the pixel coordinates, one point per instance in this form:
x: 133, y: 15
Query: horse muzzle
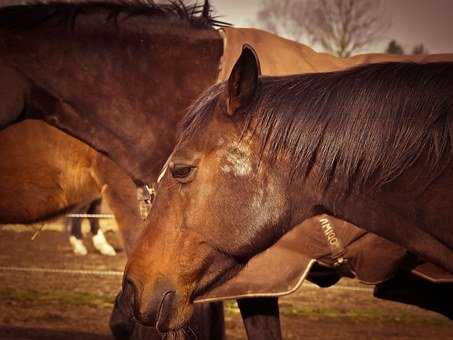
x: 153, y: 307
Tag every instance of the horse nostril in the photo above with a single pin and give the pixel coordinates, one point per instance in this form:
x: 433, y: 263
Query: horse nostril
x: 165, y: 309
x: 156, y: 302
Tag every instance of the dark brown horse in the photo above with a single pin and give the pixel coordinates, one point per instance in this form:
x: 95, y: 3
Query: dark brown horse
x: 105, y: 72
x: 259, y: 155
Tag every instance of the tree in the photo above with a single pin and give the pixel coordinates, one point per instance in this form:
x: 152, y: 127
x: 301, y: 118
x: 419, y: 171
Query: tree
x: 282, y: 17
x: 394, y: 48
x: 341, y: 27
x: 419, y: 49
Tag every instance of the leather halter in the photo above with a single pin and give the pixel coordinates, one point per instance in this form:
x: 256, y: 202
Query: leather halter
x: 146, y: 193
x: 145, y: 197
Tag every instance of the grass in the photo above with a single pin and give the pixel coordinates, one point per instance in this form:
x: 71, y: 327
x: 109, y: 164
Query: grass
x: 231, y: 309
x: 58, y: 224
x: 60, y: 297
x: 350, y: 313
x: 358, y: 314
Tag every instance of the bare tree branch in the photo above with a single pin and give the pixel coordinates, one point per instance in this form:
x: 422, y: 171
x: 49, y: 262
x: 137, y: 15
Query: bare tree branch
x: 341, y: 27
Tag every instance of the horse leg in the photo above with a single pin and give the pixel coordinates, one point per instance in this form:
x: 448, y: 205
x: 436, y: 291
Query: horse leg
x: 99, y: 240
x: 208, y: 321
x: 261, y: 318
x: 13, y: 92
x: 412, y: 290
x: 75, y: 235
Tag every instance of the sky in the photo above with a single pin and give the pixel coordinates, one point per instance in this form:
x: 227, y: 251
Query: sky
x: 411, y: 21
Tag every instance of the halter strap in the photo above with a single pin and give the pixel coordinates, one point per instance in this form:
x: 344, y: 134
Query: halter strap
x: 146, y: 193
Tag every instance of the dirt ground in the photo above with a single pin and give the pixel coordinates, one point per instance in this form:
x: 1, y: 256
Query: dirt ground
x: 37, y: 305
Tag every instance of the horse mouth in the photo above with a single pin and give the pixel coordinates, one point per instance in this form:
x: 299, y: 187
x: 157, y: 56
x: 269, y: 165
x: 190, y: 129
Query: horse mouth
x: 216, y: 279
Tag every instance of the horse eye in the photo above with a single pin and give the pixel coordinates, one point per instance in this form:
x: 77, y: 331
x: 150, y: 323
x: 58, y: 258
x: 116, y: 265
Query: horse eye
x: 181, y: 170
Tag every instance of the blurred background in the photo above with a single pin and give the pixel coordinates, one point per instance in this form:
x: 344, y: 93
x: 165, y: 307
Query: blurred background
x: 346, y: 27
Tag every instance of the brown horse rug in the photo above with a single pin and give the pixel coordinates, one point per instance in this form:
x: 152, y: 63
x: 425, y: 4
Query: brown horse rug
x: 279, y: 56
x: 340, y: 247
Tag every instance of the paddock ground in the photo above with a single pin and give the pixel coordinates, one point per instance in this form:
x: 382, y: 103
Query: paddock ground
x: 35, y: 305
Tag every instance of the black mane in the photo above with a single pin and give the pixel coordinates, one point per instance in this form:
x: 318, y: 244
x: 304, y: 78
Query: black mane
x: 29, y: 14
x: 362, y: 126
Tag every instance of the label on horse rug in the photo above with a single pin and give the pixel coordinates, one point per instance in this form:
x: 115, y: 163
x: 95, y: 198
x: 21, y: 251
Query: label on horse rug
x: 329, y: 232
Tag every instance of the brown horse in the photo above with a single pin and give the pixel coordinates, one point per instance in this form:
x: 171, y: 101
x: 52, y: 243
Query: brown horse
x: 107, y: 73
x: 85, y: 67
x: 46, y: 173
x: 63, y: 186
x: 259, y: 155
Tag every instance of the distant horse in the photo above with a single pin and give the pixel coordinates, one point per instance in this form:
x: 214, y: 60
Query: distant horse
x: 47, y: 173
x: 260, y: 155
x: 87, y: 66
x: 75, y: 230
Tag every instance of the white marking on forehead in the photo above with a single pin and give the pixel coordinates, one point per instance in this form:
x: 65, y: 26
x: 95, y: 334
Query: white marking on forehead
x: 237, y: 159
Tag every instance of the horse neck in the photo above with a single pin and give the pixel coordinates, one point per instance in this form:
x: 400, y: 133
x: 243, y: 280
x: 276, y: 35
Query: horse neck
x: 121, y: 92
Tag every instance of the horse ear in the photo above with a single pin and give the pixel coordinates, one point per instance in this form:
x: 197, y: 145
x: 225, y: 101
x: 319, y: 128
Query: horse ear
x: 243, y: 80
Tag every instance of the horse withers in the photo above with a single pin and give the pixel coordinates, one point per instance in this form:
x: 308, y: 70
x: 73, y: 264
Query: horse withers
x: 259, y: 155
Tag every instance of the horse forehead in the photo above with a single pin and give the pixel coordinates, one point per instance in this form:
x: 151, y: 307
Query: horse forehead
x: 236, y: 159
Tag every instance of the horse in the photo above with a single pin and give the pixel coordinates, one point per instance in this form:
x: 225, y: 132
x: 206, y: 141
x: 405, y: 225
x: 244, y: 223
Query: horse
x: 291, y: 148
x: 75, y: 230
x: 48, y: 173
x: 96, y: 64
x: 104, y: 74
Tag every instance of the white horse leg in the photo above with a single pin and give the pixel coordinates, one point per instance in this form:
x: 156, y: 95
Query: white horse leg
x: 77, y: 246
x: 101, y: 244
